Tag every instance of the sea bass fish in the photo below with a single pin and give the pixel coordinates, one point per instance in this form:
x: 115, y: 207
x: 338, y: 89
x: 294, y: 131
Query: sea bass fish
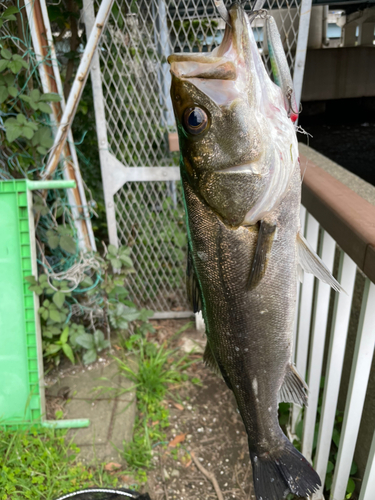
x: 242, y: 192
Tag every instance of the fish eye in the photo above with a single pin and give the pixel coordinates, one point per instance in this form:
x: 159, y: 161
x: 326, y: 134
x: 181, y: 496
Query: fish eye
x: 195, y: 120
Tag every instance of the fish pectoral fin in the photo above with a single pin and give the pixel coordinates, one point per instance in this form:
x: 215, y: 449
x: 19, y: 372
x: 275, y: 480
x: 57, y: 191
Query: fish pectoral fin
x: 294, y: 389
x: 262, y: 252
x: 212, y: 363
x: 312, y: 263
x: 192, y: 285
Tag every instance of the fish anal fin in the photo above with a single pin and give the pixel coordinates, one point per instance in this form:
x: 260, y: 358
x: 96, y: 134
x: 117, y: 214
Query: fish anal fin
x: 312, y: 263
x: 294, y: 389
x: 266, y: 235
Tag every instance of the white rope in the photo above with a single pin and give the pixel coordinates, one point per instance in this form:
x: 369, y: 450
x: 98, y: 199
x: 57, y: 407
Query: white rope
x: 75, y: 274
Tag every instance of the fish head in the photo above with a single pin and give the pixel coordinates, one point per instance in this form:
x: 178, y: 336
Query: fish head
x: 222, y: 111
x: 212, y: 103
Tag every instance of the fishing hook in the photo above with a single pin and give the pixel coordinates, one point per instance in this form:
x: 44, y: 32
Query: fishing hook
x: 224, y: 14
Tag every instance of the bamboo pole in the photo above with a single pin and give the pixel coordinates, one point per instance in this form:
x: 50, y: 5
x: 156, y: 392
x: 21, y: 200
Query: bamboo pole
x: 51, y: 82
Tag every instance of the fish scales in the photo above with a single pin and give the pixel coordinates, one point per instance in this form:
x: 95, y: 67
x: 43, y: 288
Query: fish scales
x: 242, y: 192
x: 233, y: 313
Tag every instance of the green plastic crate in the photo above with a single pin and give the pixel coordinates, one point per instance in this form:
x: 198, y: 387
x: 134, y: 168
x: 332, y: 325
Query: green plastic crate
x: 21, y: 362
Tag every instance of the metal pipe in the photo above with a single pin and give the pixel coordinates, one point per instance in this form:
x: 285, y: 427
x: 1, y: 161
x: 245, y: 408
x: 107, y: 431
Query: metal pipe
x: 258, y: 5
x: 303, y: 34
x: 40, y: 30
x: 325, y: 39
x: 224, y: 14
x: 101, y: 129
x: 77, y: 87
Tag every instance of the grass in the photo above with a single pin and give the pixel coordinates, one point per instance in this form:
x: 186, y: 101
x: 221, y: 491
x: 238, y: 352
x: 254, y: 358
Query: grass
x: 160, y: 372
x: 42, y: 465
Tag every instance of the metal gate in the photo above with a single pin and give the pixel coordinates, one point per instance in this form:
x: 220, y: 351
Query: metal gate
x: 134, y: 117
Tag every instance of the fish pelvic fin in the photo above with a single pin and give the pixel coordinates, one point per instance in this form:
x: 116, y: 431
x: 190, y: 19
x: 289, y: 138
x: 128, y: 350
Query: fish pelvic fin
x: 262, y: 253
x: 312, y: 263
x: 281, y: 472
x: 294, y: 388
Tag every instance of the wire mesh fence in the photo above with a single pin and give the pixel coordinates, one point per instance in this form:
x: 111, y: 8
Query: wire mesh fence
x: 150, y: 219
x: 135, y: 81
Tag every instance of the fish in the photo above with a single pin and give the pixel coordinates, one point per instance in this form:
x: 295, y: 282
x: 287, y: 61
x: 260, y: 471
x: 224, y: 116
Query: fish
x: 242, y: 192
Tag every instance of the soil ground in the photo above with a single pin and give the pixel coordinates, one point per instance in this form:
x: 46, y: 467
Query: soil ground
x: 207, y: 423
x: 214, y: 433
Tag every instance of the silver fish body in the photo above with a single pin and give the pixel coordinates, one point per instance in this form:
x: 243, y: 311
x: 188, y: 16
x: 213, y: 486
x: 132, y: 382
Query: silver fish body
x: 242, y: 191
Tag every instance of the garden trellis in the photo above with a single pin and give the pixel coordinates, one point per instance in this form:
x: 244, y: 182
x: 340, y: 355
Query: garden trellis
x: 134, y: 117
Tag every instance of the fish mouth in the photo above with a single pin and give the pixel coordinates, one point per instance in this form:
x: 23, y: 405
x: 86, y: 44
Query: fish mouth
x: 221, y: 74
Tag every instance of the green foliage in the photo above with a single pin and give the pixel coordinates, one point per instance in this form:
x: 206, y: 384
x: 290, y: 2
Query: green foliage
x: 61, y: 334
x: 13, y: 62
x: 19, y: 127
x: 8, y: 15
x: 7, y: 88
x: 93, y: 343
x: 158, y: 369
x: 38, y: 101
x: 42, y: 465
x: 61, y: 236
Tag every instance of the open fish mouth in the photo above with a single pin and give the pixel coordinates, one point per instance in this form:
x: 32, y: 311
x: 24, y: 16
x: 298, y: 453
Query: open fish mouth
x: 221, y: 74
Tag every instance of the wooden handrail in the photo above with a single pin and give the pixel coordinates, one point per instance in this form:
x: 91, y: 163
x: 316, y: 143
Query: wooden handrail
x: 345, y: 215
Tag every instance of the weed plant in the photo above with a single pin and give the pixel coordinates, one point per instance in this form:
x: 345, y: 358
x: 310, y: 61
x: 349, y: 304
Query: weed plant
x: 41, y: 464
x: 158, y: 372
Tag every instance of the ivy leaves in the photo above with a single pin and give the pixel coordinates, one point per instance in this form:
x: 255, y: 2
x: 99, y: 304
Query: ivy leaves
x: 14, y: 62
x: 93, y: 343
x: 42, y: 140
x: 120, y: 315
x: 38, y: 101
x: 119, y: 257
x: 24, y: 124
x: 61, y: 236
x: 61, y: 344
x: 51, y: 311
x: 7, y: 88
x: 19, y: 127
x: 8, y: 15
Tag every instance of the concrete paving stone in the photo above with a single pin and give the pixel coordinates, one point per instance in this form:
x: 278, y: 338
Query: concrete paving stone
x: 111, y: 413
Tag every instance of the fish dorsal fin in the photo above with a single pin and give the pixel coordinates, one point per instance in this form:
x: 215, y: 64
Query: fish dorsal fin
x: 192, y: 285
x: 294, y: 389
x: 312, y: 263
x: 262, y: 252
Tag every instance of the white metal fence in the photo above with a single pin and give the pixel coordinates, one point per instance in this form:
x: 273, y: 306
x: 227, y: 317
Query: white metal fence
x: 323, y: 322
x: 131, y: 80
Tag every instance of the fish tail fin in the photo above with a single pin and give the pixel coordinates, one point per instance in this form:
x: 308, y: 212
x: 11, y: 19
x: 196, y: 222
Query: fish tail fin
x: 281, y: 472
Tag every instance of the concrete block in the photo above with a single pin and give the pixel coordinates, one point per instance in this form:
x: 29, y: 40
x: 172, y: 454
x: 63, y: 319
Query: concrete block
x: 111, y: 413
